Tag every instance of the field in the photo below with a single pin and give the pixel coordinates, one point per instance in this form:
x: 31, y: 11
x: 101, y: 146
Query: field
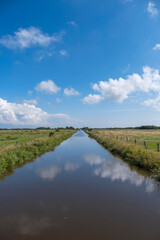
x: 129, y: 144
x: 18, y: 147
x: 144, y: 138
x: 14, y: 137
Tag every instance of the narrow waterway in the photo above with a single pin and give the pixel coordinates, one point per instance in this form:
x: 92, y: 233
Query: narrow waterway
x: 79, y: 192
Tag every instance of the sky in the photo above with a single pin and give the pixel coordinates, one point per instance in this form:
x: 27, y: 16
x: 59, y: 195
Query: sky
x: 79, y: 63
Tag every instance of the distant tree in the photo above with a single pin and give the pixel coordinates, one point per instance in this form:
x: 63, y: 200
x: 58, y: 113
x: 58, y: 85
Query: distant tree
x: 69, y: 127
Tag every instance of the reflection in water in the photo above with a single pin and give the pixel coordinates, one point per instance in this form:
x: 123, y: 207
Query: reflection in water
x: 115, y: 169
x: 27, y: 225
x: 94, y: 159
x: 71, y: 167
x: 79, y: 191
x: 52, y: 172
x: 49, y: 173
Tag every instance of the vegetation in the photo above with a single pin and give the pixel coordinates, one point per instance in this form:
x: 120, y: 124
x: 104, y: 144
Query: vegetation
x: 145, y: 138
x: 21, y: 146
x: 135, y: 154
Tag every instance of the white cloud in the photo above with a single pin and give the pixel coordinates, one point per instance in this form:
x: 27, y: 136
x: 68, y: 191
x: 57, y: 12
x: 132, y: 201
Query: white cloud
x: 154, y: 103
x: 13, y: 113
x: 92, y: 99
x: 29, y: 115
x: 73, y: 23
x: 152, y: 9
x: 119, y: 89
x: 42, y: 54
x: 157, y: 47
x: 48, y: 87
x: 71, y: 92
x: 31, y: 101
x: 29, y: 37
x: 63, y: 52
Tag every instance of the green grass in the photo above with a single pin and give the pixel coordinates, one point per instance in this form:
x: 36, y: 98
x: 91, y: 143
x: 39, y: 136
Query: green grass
x: 29, y: 147
x: 136, y: 155
x: 9, y: 137
x: 151, y: 137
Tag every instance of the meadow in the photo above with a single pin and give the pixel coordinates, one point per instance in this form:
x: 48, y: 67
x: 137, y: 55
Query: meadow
x: 18, y: 147
x: 138, y: 147
x: 147, y: 139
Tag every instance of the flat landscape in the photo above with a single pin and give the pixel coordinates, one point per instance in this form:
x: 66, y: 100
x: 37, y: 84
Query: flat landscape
x: 137, y: 147
x: 22, y: 146
x: 80, y: 120
x: 77, y: 190
x: 147, y: 139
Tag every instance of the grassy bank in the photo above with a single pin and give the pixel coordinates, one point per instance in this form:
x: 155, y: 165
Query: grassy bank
x: 148, y: 138
x: 16, y: 155
x: 134, y: 154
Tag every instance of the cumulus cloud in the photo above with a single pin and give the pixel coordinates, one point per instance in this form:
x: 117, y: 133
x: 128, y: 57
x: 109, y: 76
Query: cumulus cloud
x: 47, y: 87
x: 152, y: 9
x: 29, y: 115
x: 71, y: 92
x: 92, y: 99
x: 154, y: 103
x: 63, y: 52
x: 119, y: 89
x: 29, y: 37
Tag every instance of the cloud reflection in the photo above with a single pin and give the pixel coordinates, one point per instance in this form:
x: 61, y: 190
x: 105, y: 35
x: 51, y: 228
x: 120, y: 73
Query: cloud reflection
x: 116, y: 169
x: 49, y: 173
x: 94, y: 159
x: 71, y: 167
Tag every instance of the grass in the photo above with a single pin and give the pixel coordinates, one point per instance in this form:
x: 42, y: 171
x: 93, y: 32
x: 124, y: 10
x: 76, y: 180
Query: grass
x: 10, y: 137
x: 26, y: 146
x: 136, y: 155
x: 151, y: 137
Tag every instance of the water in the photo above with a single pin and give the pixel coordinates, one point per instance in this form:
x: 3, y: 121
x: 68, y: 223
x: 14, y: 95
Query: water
x: 79, y: 191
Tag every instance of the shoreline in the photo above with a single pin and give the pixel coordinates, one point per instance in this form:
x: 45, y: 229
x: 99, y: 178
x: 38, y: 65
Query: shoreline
x: 25, y: 153
x: 134, y: 155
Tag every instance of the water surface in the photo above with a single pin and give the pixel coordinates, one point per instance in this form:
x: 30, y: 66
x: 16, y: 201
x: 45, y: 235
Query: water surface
x: 79, y: 192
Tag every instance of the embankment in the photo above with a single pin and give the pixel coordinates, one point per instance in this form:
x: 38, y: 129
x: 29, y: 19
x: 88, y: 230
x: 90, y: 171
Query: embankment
x: 19, y: 155
x: 135, y: 155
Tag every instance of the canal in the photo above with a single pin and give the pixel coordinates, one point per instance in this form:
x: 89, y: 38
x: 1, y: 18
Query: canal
x: 79, y: 191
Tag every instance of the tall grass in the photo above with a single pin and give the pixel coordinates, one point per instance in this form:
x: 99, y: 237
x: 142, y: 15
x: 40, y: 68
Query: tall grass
x: 19, y: 155
x: 150, y: 136
x: 135, y: 155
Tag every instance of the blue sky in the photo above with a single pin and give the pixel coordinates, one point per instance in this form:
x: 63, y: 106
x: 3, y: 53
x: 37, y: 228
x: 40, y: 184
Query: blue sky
x: 79, y: 62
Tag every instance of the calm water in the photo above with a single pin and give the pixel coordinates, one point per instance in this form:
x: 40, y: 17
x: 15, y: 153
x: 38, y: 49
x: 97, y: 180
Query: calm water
x: 79, y: 192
